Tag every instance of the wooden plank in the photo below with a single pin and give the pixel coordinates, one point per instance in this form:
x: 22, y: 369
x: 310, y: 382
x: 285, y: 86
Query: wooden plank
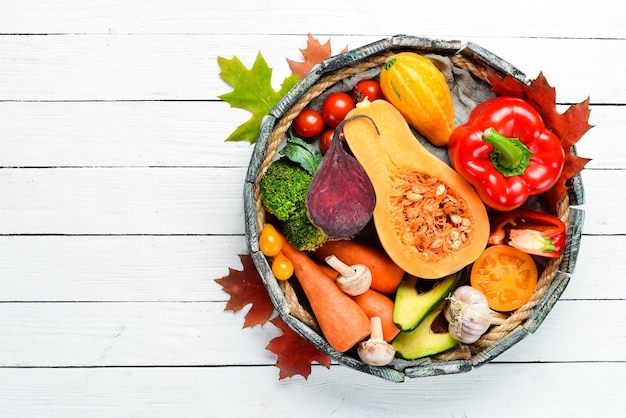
x: 171, y: 67
x: 602, y: 197
x: 256, y: 391
x: 202, y: 334
x: 458, y: 18
x: 602, y: 143
x: 159, y: 133
x: 129, y: 334
x: 138, y: 134
x: 116, y: 268
x: 185, y: 201
x: 122, y: 201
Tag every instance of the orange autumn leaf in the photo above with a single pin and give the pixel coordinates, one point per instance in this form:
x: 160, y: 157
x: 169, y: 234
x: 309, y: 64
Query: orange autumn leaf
x: 246, y: 287
x: 569, y: 126
x: 295, y: 354
x: 313, y: 54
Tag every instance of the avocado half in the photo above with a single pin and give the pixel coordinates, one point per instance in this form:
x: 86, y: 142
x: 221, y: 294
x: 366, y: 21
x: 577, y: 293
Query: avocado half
x: 411, y: 306
x: 422, y: 341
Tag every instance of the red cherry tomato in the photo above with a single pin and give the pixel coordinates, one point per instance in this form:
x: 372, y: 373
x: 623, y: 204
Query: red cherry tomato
x: 308, y: 123
x: 367, y: 88
x: 335, y: 108
x: 327, y: 138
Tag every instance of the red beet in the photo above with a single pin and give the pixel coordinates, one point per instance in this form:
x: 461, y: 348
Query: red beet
x: 341, y: 197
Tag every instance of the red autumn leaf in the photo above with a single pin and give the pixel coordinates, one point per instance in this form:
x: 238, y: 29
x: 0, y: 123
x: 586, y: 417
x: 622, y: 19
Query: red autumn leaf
x: 569, y: 126
x: 295, y: 354
x: 246, y: 287
x: 314, y: 53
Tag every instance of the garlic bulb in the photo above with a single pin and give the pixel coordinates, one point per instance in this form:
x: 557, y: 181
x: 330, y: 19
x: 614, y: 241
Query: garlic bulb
x: 468, y: 314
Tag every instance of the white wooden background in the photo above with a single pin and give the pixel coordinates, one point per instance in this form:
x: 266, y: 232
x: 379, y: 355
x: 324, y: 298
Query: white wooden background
x: 120, y: 203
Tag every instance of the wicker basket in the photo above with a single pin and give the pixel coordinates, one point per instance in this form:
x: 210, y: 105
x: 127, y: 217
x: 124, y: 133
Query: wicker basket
x: 552, y: 282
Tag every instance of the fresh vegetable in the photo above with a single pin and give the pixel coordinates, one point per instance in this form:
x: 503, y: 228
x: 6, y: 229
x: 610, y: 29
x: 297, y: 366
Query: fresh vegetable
x: 531, y: 231
x: 376, y: 351
x: 353, y: 280
x: 282, y: 267
x: 302, y: 153
x: 342, y: 322
x: 413, y: 84
x: 335, y: 108
x: 469, y: 315
x: 429, y: 219
x: 412, y: 305
x: 270, y: 243
x: 283, y: 190
x: 369, y: 89
x: 386, y: 275
x: 341, y: 198
x: 302, y: 233
x: 425, y: 340
x: 308, y: 123
x: 506, y: 276
x: 506, y: 152
x: 375, y: 303
x: 326, y: 139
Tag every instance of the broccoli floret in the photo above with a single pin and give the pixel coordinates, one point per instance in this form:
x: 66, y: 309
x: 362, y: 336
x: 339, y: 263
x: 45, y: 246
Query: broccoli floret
x: 302, y: 234
x: 283, y: 188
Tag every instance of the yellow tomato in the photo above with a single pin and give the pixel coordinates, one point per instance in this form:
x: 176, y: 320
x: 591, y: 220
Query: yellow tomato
x: 270, y: 243
x: 282, y: 267
x: 506, y: 276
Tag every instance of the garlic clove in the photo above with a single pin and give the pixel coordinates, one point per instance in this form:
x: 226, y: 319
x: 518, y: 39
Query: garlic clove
x: 468, y: 314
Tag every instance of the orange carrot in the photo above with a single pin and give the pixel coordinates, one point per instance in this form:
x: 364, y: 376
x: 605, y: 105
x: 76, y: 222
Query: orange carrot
x: 342, y: 321
x: 375, y: 303
x: 328, y: 270
x: 386, y: 275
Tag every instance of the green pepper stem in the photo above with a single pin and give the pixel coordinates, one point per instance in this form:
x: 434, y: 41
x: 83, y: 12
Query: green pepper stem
x: 510, y: 156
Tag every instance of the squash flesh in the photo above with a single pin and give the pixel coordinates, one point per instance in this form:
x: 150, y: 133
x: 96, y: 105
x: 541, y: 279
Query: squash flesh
x: 396, y: 163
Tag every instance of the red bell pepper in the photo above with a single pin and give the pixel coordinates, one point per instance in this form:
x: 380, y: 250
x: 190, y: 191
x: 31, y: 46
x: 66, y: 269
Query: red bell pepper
x: 506, y: 152
x: 529, y: 230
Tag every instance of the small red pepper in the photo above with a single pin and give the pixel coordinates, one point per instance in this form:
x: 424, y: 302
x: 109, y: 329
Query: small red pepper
x: 529, y: 230
x: 506, y: 152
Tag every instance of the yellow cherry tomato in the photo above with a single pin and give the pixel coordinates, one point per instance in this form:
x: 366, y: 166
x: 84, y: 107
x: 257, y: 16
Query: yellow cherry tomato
x: 269, y: 241
x: 282, y: 267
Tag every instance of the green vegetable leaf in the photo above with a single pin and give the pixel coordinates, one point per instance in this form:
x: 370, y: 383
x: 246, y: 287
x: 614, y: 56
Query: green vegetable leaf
x: 301, y: 152
x: 252, y: 91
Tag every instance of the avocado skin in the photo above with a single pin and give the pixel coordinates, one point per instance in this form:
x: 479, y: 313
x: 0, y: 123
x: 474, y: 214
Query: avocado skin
x: 411, y: 307
x: 421, y: 341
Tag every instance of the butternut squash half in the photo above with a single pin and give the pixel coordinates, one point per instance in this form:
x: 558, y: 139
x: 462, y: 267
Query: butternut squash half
x: 430, y: 221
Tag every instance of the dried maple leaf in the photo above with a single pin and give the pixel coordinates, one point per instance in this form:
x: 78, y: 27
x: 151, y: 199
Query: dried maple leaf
x: 569, y: 126
x: 313, y: 54
x: 295, y: 354
x: 246, y: 287
x: 252, y: 91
